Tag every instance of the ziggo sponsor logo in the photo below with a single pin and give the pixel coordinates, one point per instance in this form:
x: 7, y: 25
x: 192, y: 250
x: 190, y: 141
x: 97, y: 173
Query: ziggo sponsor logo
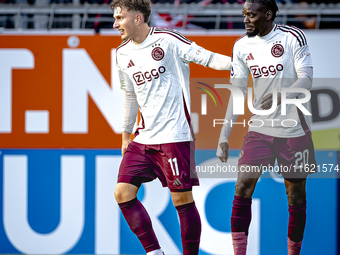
x: 265, y: 71
x: 140, y: 78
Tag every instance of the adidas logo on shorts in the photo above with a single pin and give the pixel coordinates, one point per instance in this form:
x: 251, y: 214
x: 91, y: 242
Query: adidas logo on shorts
x: 177, y: 182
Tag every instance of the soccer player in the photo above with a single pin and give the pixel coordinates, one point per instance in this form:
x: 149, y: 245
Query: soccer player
x: 278, y: 58
x: 153, y: 65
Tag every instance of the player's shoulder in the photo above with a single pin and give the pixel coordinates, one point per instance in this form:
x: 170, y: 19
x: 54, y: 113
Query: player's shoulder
x: 242, y: 40
x: 295, y: 34
x: 123, y: 46
x: 171, y: 35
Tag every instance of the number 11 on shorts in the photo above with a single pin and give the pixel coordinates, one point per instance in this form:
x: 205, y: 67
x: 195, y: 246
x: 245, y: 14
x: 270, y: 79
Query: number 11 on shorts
x: 173, y: 161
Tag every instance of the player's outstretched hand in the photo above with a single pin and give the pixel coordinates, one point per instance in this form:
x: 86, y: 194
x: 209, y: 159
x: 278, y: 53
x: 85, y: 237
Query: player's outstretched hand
x: 267, y: 101
x: 225, y: 149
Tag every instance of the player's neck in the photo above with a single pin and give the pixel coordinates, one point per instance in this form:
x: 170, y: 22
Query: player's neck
x: 268, y: 29
x: 143, y: 33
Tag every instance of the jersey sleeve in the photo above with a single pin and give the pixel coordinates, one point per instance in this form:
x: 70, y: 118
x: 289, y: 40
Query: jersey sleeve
x: 239, y: 71
x: 301, y: 53
x: 130, y: 110
x: 125, y: 82
x: 189, y: 51
x: 124, y: 79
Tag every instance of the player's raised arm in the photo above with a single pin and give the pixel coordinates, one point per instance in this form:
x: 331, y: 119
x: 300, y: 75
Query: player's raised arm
x: 219, y: 62
x: 190, y: 52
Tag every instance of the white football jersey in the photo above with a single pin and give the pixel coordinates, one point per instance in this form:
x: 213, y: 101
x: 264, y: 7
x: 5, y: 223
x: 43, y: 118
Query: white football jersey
x: 157, y: 70
x: 273, y: 61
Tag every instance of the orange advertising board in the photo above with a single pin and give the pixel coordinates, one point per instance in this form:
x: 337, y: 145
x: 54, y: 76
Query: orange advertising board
x: 56, y: 61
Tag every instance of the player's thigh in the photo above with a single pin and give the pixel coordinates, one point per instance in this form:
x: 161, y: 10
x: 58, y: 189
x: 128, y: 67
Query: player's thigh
x: 296, y: 157
x: 257, y: 151
x: 135, y: 167
x: 178, y: 165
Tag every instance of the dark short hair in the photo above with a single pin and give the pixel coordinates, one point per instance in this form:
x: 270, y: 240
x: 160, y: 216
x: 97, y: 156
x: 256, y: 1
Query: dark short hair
x: 270, y: 5
x: 142, y: 6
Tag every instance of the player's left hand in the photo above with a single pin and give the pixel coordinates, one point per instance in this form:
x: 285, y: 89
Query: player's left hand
x: 225, y: 148
x: 267, y: 101
x: 125, y: 141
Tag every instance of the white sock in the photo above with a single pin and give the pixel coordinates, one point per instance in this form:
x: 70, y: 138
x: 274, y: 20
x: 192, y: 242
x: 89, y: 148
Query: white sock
x: 155, y: 252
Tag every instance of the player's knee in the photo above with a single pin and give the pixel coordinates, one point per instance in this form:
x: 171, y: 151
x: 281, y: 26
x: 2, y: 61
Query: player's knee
x: 177, y: 201
x: 181, y: 198
x: 296, y: 197
x: 244, y: 187
x: 123, y: 193
x: 118, y: 193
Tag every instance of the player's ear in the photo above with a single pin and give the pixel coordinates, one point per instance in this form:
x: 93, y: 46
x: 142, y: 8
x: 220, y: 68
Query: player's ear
x: 139, y: 19
x: 269, y: 15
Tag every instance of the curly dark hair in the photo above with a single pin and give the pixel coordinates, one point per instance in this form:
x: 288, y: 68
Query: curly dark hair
x: 270, y: 5
x: 142, y: 6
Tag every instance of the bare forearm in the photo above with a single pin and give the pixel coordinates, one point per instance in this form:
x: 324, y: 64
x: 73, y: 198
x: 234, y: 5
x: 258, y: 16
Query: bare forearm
x: 125, y: 141
x: 126, y: 136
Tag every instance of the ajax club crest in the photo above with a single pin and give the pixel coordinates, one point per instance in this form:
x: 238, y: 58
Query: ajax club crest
x: 157, y: 53
x: 277, y: 50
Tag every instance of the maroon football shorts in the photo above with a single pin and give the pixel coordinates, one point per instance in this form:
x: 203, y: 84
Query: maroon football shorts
x: 295, y: 156
x: 172, y: 163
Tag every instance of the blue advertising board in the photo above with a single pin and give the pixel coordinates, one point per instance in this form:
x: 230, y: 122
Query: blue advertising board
x: 61, y: 201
